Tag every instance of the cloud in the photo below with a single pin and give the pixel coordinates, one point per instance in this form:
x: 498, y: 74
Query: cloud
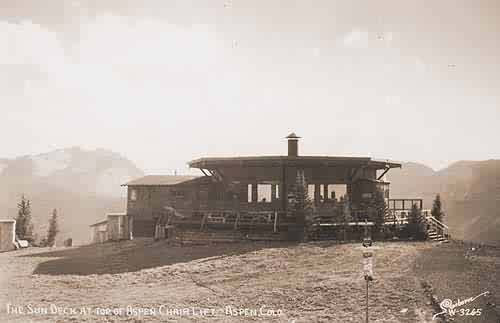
x: 123, y: 72
x: 118, y: 60
x: 392, y: 100
x: 356, y: 38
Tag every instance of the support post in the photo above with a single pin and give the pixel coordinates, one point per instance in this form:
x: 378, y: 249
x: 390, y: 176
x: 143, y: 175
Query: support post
x: 273, y: 192
x: 254, y: 193
x: 236, y: 221
x: 284, y: 190
x: 203, y: 220
x: 317, y: 193
x: 383, y: 173
x: 367, y: 282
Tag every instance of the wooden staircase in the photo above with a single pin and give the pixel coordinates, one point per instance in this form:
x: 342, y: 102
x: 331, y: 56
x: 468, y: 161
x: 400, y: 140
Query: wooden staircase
x: 437, y: 231
x: 433, y: 235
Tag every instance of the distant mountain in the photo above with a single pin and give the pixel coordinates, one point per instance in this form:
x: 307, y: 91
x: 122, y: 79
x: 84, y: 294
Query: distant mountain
x: 82, y: 185
x: 470, y: 192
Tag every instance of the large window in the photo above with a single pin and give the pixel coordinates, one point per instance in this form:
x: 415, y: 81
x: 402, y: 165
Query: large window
x: 337, y: 191
x: 264, y: 193
x: 310, y: 191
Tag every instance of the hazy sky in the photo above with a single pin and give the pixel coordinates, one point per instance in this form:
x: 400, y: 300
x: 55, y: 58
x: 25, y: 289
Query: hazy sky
x: 163, y: 82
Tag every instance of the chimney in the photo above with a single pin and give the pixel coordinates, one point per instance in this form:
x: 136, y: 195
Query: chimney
x: 293, y: 145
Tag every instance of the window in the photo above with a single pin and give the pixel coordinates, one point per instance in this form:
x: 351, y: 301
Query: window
x: 310, y: 191
x: 133, y: 195
x: 249, y: 190
x: 178, y: 194
x: 321, y: 192
x: 264, y: 193
x: 337, y: 191
x: 366, y: 195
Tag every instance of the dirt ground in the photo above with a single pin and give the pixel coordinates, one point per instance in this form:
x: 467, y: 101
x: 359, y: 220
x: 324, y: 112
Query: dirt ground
x: 146, y: 281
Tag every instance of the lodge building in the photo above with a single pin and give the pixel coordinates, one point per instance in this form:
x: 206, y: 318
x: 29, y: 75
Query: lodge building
x: 253, y: 194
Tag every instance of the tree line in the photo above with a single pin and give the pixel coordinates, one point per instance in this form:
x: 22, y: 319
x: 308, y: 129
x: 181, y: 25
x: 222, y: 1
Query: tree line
x: 25, y: 228
x: 376, y: 210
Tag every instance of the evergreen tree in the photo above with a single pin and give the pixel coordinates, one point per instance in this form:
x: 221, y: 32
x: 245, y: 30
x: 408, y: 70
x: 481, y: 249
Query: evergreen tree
x: 346, y: 215
x: 376, y: 209
x: 301, y: 205
x: 416, y: 226
x: 380, y: 210
x: 24, y: 227
x: 53, y: 229
x: 437, y: 211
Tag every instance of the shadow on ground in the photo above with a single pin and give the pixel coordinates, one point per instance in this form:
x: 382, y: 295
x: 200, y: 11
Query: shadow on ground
x: 129, y: 256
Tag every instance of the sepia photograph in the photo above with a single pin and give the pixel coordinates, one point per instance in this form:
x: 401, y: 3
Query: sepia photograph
x: 281, y: 161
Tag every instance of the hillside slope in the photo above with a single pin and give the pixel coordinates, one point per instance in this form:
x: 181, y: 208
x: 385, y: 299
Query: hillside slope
x: 82, y: 185
x: 470, y: 192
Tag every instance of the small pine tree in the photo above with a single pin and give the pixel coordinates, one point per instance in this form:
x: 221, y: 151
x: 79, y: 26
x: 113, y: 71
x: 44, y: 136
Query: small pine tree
x: 416, y: 227
x: 380, y: 209
x: 346, y: 215
x: 376, y: 208
x: 53, y: 229
x: 437, y: 211
x: 24, y: 227
x: 301, y: 204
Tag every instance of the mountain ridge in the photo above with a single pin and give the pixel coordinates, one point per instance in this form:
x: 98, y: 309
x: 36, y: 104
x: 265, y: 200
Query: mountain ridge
x: 470, y: 191
x: 81, y: 184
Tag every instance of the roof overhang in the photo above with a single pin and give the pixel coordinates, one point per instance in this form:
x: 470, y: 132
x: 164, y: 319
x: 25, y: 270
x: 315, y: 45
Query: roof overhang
x: 161, y: 180
x: 303, y: 161
x: 99, y: 223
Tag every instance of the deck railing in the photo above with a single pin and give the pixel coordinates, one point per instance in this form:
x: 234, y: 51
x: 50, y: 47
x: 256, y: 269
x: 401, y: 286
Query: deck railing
x: 236, y: 220
x: 438, y: 226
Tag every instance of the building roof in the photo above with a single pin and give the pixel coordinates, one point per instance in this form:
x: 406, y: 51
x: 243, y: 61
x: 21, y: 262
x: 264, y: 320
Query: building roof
x: 311, y: 161
x: 116, y: 214
x: 99, y: 223
x: 160, y: 180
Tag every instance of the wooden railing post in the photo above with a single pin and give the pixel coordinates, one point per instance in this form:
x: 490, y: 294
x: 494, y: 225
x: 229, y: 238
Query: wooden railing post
x: 275, y: 221
x: 236, y: 221
x: 203, y: 220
